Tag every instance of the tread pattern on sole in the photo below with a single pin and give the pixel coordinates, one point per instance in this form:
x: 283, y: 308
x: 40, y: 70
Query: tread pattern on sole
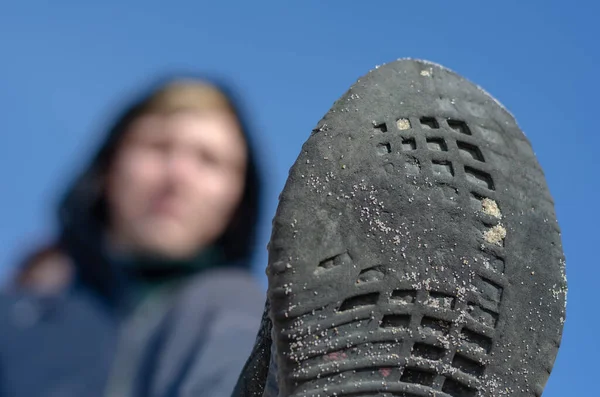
x: 398, y: 333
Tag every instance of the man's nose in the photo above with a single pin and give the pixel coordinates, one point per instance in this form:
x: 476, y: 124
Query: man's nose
x: 179, y: 165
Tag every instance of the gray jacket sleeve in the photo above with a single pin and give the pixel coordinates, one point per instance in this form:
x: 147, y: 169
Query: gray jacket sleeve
x: 215, y: 372
x: 210, y: 335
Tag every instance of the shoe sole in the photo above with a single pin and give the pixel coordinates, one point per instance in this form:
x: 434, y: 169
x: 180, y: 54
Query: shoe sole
x: 415, y: 250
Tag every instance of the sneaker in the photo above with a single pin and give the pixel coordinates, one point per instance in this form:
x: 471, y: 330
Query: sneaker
x: 415, y: 250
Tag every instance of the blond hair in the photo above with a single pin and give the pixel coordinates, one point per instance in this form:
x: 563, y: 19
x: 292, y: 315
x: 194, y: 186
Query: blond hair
x: 187, y: 95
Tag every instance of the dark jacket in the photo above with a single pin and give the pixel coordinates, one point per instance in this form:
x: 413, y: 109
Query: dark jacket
x: 189, y: 335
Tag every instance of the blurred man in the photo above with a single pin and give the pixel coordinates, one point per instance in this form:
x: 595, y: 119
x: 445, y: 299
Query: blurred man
x: 147, y: 291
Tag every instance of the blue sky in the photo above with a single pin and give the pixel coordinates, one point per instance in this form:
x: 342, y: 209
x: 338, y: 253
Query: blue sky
x: 64, y: 67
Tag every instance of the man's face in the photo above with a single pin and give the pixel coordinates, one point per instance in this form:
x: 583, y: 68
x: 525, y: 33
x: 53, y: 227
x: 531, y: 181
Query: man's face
x: 175, y: 182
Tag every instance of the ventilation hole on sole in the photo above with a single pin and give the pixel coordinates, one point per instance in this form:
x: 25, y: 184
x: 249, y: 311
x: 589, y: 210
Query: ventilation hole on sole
x: 429, y: 123
x: 375, y: 273
x: 482, y: 315
x: 359, y: 301
x: 327, y: 264
x: 409, y: 145
x: 468, y: 365
x: 412, y: 166
x: 380, y: 127
x: 384, y: 148
x: 440, y: 300
x: 479, y: 178
x: 459, y: 126
x: 403, y: 124
x: 479, y: 341
x: 335, y: 261
x: 427, y: 351
x: 456, y: 389
x: 395, y: 321
x: 489, y: 290
x: 442, y: 168
x: 404, y: 296
x: 436, y: 325
x: 437, y: 144
x: 412, y: 375
x: 470, y: 151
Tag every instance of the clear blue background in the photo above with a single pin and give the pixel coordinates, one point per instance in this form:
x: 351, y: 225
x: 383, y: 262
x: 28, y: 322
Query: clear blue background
x: 65, y: 66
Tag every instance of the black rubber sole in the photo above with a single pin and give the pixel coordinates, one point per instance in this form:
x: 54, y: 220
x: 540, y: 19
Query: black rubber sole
x: 415, y: 250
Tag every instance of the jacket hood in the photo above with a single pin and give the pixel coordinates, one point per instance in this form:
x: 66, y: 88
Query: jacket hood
x: 82, y: 209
